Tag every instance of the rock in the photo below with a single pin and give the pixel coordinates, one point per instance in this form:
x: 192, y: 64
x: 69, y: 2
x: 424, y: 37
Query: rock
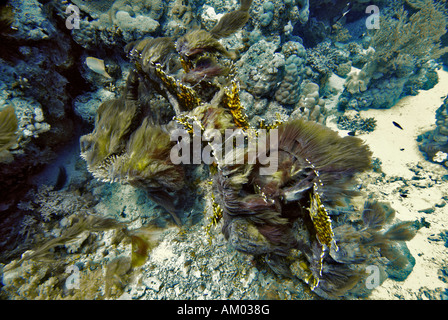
x: 402, y: 271
x: 152, y: 283
x: 427, y: 210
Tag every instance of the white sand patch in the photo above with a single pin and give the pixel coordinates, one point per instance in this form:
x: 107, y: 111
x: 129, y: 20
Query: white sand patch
x: 398, y: 151
x: 415, y: 114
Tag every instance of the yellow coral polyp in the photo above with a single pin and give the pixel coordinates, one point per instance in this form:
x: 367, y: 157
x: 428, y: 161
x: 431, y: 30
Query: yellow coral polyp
x: 187, y: 122
x: 321, y: 221
x: 186, y: 64
x: 271, y: 126
x: 232, y: 101
x: 187, y: 97
x: 216, y: 217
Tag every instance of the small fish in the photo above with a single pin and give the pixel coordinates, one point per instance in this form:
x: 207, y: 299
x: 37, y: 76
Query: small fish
x: 397, y: 125
x: 351, y: 133
x: 346, y: 10
x: 97, y: 65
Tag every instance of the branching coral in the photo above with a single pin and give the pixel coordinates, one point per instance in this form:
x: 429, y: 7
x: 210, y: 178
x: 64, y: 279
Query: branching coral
x: 325, y: 58
x: 402, y: 48
x: 356, y: 123
x: 415, y: 37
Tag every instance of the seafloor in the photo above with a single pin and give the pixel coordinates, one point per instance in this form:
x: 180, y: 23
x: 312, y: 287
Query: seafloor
x: 93, y: 206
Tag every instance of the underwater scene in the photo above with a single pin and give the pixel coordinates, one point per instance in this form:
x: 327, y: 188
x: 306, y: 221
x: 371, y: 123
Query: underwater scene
x: 223, y: 150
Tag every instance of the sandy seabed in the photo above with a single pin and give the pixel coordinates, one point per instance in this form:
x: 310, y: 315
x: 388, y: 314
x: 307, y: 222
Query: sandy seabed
x: 397, y: 149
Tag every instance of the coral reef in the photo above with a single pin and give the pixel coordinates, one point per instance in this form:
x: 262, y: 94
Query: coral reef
x: 135, y: 147
x: 289, y: 89
x: 324, y: 59
x: 35, y: 69
x: 355, y: 123
x: 282, y: 216
x: 310, y: 106
x: 278, y: 16
x: 154, y: 87
x: 402, y: 51
x: 258, y: 68
x: 115, y: 21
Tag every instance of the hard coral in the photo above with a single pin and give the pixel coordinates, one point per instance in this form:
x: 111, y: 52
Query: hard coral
x: 399, y: 55
x: 417, y: 35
